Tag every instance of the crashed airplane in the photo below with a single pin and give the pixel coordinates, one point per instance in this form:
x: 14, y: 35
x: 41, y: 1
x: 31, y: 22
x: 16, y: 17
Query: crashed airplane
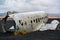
x: 27, y: 22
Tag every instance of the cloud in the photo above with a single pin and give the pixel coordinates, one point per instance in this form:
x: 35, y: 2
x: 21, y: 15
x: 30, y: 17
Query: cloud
x: 51, y: 6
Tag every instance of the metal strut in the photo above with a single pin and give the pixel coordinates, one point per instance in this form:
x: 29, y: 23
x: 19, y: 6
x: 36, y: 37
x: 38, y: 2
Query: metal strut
x: 4, y: 22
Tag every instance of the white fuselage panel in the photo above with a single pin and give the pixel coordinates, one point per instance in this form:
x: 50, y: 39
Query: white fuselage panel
x: 30, y: 21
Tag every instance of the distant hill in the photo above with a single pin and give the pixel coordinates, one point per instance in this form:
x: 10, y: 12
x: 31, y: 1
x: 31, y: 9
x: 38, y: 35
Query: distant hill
x: 2, y: 14
x: 53, y: 15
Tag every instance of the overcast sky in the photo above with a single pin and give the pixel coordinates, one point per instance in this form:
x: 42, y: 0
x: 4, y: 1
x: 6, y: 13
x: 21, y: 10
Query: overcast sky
x: 50, y: 6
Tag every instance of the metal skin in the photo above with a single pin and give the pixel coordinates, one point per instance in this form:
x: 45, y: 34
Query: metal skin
x: 29, y: 21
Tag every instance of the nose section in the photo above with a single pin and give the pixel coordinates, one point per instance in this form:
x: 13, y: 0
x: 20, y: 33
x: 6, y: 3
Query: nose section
x: 7, y: 23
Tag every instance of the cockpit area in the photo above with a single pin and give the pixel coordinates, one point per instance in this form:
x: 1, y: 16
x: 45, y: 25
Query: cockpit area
x: 6, y: 25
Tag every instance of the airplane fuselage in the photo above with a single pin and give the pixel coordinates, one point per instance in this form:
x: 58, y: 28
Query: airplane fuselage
x: 30, y: 21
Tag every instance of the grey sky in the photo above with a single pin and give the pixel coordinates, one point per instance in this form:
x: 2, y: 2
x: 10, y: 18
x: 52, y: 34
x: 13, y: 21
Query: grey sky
x: 50, y: 6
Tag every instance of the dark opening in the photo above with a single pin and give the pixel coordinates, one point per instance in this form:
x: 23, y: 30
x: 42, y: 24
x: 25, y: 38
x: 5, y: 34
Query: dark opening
x: 31, y: 21
x: 20, y: 21
x: 22, y: 24
x: 38, y: 20
x: 34, y: 20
